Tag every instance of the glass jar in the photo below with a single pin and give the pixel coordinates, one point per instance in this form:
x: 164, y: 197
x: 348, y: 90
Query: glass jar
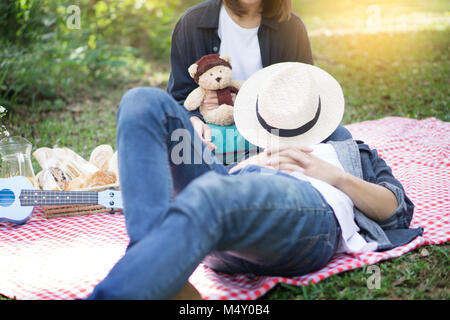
x: 16, y: 158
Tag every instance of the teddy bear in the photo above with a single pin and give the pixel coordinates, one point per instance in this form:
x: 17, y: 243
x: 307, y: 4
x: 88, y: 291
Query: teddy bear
x: 213, y: 73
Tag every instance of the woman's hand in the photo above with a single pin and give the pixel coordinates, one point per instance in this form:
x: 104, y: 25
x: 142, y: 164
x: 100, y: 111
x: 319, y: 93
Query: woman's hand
x: 204, y: 131
x: 290, y: 159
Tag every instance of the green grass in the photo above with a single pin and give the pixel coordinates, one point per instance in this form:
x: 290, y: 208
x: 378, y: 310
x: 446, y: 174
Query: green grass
x: 401, y: 74
x: 372, y: 15
x: 382, y: 74
x: 420, y: 274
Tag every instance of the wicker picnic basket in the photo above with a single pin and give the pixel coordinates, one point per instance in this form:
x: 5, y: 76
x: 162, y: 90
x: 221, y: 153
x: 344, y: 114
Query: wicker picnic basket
x: 65, y: 170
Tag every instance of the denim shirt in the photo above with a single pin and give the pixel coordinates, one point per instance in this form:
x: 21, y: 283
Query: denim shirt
x: 359, y: 160
x: 195, y: 35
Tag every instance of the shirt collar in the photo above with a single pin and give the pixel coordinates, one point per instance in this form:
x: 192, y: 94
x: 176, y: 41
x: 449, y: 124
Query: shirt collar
x: 210, y: 18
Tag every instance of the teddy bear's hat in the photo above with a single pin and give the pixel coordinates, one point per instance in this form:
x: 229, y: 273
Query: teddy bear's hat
x: 207, y: 62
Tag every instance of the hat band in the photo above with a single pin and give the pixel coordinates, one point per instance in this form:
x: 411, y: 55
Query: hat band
x: 288, y: 132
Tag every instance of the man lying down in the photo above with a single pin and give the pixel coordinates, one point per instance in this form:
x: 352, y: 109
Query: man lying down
x: 283, y: 212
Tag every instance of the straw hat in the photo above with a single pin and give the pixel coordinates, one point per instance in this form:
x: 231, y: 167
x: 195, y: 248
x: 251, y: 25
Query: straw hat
x: 288, y: 103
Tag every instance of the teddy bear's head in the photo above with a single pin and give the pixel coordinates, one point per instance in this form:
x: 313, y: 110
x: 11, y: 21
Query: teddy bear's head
x: 212, y: 72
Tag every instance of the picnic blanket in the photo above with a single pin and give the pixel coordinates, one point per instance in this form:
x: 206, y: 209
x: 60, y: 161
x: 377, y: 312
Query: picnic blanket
x: 64, y: 258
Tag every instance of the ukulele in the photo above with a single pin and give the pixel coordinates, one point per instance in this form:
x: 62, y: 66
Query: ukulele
x: 18, y: 198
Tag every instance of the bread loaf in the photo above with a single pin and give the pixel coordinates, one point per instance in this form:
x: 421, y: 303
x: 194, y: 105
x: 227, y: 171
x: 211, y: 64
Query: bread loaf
x: 46, y: 158
x: 80, y: 182
x: 101, y: 156
x: 101, y: 178
x: 52, y: 179
x: 113, y: 166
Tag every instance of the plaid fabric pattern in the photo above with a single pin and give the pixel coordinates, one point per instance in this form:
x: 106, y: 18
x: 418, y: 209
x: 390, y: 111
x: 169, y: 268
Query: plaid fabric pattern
x: 64, y: 258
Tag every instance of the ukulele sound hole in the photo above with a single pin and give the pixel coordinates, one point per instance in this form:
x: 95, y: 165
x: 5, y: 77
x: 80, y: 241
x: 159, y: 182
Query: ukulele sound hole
x: 6, y: 198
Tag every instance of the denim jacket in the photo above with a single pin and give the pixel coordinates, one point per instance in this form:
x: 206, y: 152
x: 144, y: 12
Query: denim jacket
x: 359, y: 160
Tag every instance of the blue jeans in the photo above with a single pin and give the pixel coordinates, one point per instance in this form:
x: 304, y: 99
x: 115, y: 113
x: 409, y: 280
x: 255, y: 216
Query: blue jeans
x: 179, y: 214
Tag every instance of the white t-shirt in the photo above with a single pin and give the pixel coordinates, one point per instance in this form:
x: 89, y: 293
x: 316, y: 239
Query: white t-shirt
x: 351, y: 240
x: 241, y: 45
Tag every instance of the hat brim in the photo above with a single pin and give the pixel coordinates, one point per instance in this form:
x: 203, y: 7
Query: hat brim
x: 332, y: 109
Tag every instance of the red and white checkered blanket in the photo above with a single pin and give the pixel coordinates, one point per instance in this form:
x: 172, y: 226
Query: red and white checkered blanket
x: 64, y: 258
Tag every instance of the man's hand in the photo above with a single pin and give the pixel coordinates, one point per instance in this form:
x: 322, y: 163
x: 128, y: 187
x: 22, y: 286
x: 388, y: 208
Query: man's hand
x: 266, y: 158
x: 204, y: 131
x: 290, y: 159
x: 375, y: 201
x: 259, y: 159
